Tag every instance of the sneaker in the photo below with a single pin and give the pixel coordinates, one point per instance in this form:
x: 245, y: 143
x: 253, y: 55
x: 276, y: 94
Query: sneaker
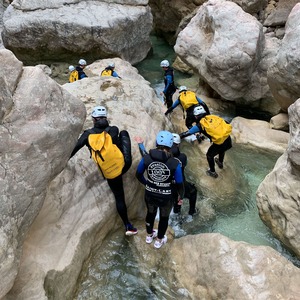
x: 130, y: 230
x: 212, y: 174
x: 149, y: 238
x: 220, y: 164
x: 188, y: 218
x: 159, y: 243
x: 196, y: 212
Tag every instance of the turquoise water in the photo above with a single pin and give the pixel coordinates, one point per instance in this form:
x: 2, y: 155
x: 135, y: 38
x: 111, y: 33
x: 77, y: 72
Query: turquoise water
x: 114, y: 273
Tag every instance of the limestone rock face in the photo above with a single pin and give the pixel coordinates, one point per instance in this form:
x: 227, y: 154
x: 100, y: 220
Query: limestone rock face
x: 283, y: 76
x: 211, y: 266
x: 39, y: 123
x: 227, y: 48
x: 280, y: 122
x: 259, y: 134
x: 58, y: 30
x: 168, y: 14
x: 252, y: 6
x: 279, y: 14
x: 278, y: 196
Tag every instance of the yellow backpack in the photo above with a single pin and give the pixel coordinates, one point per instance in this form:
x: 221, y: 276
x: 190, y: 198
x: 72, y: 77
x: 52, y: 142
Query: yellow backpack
x: 73, y: 76
x: 107, y: 155
x: 187, y: 99
x: 217, y: 128
x: 106, y: 72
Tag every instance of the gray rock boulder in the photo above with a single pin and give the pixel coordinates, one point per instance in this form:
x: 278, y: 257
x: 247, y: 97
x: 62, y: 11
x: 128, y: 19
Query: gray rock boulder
x: 278, y: 196
x: 252, y: 6
x: 211, y: 266
x: 39, y: 123
x: 59, y: 30
x: 228, y: 49
x: 279, y: 13
x: 284, y: 74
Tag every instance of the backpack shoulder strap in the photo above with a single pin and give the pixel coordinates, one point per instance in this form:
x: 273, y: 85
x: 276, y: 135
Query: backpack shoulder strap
x: 107, y: 129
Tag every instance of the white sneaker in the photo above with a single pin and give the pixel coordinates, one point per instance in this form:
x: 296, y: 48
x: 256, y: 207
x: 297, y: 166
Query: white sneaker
x: 158, y: 243
x: 149, y: 238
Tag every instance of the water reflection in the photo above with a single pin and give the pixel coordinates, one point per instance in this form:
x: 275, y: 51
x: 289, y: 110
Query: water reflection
x: 113, y: 273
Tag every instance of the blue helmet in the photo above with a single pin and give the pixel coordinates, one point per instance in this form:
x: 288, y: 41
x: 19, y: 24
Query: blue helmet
x: 164, y: 138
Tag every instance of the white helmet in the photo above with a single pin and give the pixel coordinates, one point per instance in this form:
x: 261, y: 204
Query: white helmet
x: 182, y: 88
x: 199, y: 110
x: 177, y: 139
x: 82, y: 62
x: 99, y: 111
x: 71, y: 68
x: 164, y: 63
x: 112, y: 65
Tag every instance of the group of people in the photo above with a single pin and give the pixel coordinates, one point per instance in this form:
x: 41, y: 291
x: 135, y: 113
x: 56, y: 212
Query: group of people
x: 77, y: 73
x: 213, y: 127
x: 165, y: 182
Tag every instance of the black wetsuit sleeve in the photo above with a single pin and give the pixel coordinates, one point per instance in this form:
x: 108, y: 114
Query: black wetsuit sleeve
x: 82, y: 141
x: 183, y: 159
x: 180, y: 190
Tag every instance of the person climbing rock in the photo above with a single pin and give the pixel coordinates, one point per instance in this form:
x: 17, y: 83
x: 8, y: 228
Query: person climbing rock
x: 188, y: 101
x: 117, y: 161
x: 110, y: 71
x: 80, y: 69
x: 218, y: 131
x: 162, y: 169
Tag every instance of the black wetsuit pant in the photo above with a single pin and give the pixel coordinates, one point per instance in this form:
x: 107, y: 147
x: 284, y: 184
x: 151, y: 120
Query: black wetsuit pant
x: 165, y: 207
x: 116, y: 186
x: 169, y: 97
x: 190, y: 192
x: 190, y: 118
x: 214, y: 150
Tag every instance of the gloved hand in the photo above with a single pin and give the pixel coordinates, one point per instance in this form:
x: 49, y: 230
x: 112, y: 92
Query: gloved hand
x: 200, y: 138
x: 184, y: 134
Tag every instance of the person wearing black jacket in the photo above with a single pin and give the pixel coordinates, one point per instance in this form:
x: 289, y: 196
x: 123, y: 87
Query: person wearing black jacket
x: 122, y: 140
x: 190, y: 190
x: 170, y: 87
x: 80, y: 69
x: 162, y: 170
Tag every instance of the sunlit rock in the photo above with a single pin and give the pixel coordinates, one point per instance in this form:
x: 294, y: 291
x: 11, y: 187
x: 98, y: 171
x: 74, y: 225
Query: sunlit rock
x: 59, y: 30
x: 259, y: 134
x: 211, y: 266
x: 39, y: 123
x: 278, y: 196
x: 284, y: 75
x: 228, y: 49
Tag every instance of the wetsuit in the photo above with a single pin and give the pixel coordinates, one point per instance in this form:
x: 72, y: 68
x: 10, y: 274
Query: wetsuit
x: 190, y: 190
x: 161, y: 170
x: 170, y: 87
x: 214, y: 149
x: 115, y: 184
x: 81, y: 73
x: 189, y: 108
